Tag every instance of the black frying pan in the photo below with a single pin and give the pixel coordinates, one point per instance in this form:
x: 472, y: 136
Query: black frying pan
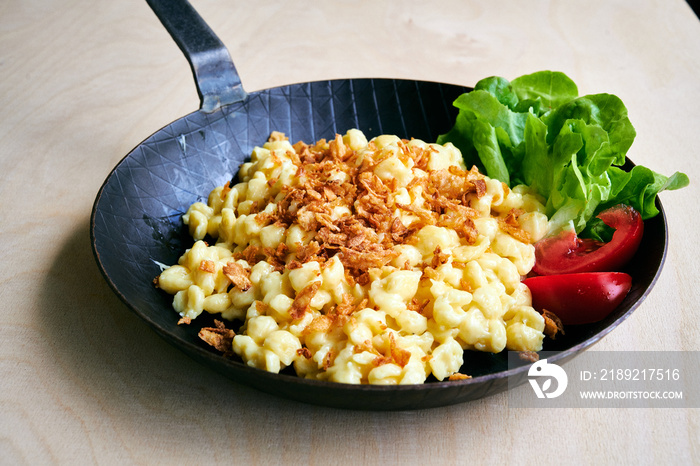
x: 136, y: 219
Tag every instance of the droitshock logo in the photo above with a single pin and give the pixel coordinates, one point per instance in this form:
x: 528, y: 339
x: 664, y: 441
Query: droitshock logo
x: 542, y: 370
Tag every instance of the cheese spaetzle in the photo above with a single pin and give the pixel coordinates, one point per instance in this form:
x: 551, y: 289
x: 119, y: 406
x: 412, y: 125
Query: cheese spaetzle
x: 361, y: 261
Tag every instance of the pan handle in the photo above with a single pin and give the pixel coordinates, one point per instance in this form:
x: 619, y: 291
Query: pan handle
x: 217, y: 80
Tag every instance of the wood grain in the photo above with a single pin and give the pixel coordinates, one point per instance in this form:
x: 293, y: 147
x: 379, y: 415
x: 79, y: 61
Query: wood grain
x: 83, y: 381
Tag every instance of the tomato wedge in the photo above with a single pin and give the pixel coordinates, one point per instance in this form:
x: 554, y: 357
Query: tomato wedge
x: 567, y: 253
x: 579, y: 298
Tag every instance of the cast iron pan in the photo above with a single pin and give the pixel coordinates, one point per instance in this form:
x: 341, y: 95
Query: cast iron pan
x: 136, y: 219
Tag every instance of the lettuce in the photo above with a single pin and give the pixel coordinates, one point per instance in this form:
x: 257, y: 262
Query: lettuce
x: 536, y: 130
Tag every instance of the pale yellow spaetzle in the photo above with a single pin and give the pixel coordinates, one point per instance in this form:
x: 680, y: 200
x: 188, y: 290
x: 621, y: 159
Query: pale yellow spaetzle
x: 363, y: 262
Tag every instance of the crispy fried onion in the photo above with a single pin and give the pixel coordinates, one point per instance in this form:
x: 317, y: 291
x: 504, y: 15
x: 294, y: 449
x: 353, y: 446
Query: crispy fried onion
x: 552, y: 324
x: 338, y: 196
x: 220, y: 337
x: 510, y: 225
x: 238, y: 275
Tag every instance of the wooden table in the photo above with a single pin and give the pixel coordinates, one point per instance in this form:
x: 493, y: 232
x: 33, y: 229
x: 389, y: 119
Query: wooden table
x: 84, y: 381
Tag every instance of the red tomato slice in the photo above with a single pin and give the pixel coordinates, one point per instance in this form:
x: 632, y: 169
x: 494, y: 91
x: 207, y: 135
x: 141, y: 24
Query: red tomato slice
x: 567, y: 253
x: 579, y: 298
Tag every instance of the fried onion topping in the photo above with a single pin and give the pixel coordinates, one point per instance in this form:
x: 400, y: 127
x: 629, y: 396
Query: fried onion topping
x: 220, y: 337
x: 350, y: 209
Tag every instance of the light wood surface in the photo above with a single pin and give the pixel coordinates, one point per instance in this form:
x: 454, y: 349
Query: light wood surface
x: 84, y: 381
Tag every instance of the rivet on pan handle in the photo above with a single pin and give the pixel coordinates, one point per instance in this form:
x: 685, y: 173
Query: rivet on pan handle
x: 216, y: 77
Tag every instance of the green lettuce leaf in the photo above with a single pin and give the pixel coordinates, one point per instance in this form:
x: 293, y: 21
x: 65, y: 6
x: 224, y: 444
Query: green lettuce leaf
x: 549, y: 89
x: 536, y: 130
